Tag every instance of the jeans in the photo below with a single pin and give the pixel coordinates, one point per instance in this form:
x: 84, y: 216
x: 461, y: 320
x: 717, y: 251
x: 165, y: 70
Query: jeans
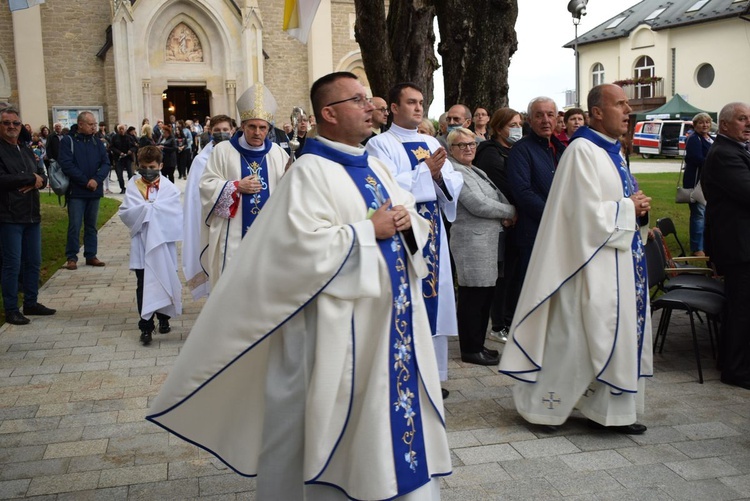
x: 21, y: 247
x: 82, y: 210
x: 697, y: 223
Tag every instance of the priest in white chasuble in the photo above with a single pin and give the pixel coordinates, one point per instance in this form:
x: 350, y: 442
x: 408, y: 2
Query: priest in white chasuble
x: 240, y: 176
x: 311, y: 365
x: 581, y: 334
x: 419, y: 165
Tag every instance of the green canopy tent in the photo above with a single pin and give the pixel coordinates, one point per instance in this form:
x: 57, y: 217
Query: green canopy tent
x: 674, y: 109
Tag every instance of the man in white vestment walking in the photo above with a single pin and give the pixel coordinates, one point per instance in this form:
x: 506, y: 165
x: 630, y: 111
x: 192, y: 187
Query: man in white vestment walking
x: 240, y: 176
x: 581, y: 334
x: 195, y: 232
x: 311, y: 364
x: 419, y: 166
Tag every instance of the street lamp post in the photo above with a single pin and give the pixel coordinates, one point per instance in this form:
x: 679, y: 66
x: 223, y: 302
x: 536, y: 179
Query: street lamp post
x: 577, y: 8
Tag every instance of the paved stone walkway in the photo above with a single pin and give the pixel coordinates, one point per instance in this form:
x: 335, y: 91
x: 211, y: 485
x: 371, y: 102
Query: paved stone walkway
x: 75, y: 387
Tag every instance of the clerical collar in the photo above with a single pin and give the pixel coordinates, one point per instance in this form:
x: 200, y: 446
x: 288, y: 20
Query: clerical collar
x: 246, y: 146
x: 403, y: 134
x: 604, y: 136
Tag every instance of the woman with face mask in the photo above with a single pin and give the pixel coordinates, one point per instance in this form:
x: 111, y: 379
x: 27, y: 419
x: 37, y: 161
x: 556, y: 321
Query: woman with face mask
x: 506, y: 129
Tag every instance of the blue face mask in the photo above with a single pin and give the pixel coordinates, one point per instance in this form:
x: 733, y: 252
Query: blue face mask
x: 453, y: 127
x: 515, y: 134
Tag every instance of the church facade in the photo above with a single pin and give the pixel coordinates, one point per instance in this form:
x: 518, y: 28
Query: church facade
x: 132, y: 59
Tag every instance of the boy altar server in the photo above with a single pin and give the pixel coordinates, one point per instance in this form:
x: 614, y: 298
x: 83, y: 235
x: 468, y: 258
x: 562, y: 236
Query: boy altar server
x: 153, y: 213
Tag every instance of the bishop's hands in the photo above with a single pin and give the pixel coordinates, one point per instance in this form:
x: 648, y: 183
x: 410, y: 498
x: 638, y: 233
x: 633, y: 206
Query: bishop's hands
x: 435, y: 163
x: 388, y: 220
x: 642, y: 203
x: 249, y: 185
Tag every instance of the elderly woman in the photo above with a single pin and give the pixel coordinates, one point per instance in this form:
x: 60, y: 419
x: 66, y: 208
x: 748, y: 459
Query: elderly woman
x: 505, y: 130
x: 426, y: 127
x: 696, y: 149
x: 475, y: 240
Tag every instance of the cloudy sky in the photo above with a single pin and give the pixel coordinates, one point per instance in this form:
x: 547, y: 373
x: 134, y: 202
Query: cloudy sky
x: 541, y: 66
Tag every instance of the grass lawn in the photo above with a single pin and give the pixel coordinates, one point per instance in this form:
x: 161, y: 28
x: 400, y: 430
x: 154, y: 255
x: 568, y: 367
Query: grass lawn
x: 55, y: 231
x: 661, y: 189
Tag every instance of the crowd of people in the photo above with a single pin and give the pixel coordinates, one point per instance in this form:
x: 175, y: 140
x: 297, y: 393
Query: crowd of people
x: 328, y: 250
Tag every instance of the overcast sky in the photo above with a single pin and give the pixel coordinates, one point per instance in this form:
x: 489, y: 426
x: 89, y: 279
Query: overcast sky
x: 541, y: 66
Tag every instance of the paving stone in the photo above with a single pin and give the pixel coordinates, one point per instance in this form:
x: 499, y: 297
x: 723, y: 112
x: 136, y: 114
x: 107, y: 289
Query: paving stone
x: 79, y: 448
x: 51, y: 436
x: 538, y: 467
x: 701, y: 431
x: 650, y: 454
x: 101, y: 462
x: 739, y: 483
x: 583, y: 483
x: 69, y: 482
x: 639, y: 494
x: 659, y: 435
x: 172, y: 489
x: 545, y: 447
x: 699, y: 469
x: 13, y: 488
x: 521, y: 490
x: 498, y: 435
x: 487, y: 454
x: 21, y: 454
x: 64, y: 409
x: 34, y: 469
x: 222, y: 484
x: 701, y: 490
x: 597, y: 441
x: 476, y: 474
x: 112, y: 494
x: 632, y: 477
x: 133, y: 475
x: 595, y: 460
x: 20, y: 412
x: 708, y: 448
x: 196, y: 468
x: 29, y: 424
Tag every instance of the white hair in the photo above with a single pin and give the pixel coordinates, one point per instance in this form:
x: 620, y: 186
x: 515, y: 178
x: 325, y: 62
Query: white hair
x: 540, y: 99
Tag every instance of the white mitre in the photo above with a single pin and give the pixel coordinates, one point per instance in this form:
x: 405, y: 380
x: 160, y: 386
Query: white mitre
x: 257, y: 102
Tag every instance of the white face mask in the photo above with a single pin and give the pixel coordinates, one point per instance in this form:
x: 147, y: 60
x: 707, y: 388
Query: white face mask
x: 515, y: 134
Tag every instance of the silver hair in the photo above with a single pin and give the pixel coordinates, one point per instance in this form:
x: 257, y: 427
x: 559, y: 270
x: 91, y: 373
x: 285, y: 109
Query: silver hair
x: 540, y: 99
x: 727, y: 112
x: 441, y: 120
x: 10, y: 110
x: 702, y: 117
x: 459, y: 131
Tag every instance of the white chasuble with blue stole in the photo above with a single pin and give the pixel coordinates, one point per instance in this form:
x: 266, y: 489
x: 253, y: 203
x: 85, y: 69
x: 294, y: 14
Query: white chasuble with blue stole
x: 253, y: 162
x: 406, y: 420
x: 418, y: 151
x: 629, y: 187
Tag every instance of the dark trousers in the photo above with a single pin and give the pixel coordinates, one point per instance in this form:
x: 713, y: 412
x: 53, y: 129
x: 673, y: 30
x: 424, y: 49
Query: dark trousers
x: 168, y: 171
x: 21, y: 246
x: 507, y: 288
x: 145, y: 325
x: 734, y: 355
x: 123, y: 164
x: 82, y: 211
x: 473, y: 312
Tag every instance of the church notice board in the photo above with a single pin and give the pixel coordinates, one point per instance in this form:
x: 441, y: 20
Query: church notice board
x: 68, y: 115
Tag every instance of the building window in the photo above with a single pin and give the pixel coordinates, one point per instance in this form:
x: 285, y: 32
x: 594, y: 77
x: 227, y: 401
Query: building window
x: 597, y: 74
x: 697, y: 6
x: 655, y: 14
x: 644, y: 68
x: 705, y: 75
x: 615, y: 22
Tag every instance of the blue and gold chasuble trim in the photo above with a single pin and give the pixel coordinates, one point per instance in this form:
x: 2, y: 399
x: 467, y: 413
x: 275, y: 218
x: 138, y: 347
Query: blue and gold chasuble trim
x: 629, y: 187
x: 406, y: 420
x: 252, y: 163
x: 418, y: 151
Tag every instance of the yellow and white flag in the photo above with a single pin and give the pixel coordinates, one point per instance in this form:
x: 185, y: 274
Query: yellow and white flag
x: 298, y: 17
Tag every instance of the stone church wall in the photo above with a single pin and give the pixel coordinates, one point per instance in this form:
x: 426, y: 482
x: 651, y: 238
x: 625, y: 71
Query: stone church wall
x: 7, y: 53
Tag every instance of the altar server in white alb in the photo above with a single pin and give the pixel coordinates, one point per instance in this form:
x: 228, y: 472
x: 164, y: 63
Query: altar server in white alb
x: 152, y: 212
x: 581, y: 334
x: 240, y: 176
x: 311, y: 364
x: 196, y: 240
x: 419, y: 166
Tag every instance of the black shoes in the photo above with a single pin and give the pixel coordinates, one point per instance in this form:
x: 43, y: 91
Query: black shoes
x: 492, y: 353
x: 484, y: 357
x: 445, y: 393
x: 164, y: 326
x: 38, y: 309
x: 146, y: 338
x: 630, y: 429
x: 16, y: 318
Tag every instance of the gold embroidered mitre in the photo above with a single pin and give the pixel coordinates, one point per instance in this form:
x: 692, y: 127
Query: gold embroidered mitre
x: 421, y: 153
x: 257, y: 102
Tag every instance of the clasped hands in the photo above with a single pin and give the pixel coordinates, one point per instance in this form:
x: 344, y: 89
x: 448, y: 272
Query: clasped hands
x: 641, y: 202
x: 435, y: 163
x: 38, y: 182
x: 388, y: 220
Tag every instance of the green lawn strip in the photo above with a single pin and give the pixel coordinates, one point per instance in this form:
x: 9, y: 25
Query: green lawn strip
x: 55, y: 234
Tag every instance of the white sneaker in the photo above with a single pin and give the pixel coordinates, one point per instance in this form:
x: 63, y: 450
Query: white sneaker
x: 500, y: 336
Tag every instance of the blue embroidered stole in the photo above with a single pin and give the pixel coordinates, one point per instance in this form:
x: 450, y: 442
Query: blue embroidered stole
x: 252, y: 163
x: 629, y: 187
x: 418, y: 151
x: 409, y: 460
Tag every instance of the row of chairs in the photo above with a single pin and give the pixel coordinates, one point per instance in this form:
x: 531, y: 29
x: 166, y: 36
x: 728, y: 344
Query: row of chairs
x: 678, y: 284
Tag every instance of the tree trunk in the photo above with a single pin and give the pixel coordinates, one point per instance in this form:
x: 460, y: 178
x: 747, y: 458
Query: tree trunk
x: 398, y: 48
x: 477, y: 40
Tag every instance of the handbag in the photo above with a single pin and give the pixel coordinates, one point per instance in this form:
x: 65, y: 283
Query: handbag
x: 688, y: 195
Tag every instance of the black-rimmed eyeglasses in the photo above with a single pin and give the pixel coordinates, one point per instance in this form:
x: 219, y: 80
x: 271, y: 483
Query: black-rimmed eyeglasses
x: 359, y: 100
x: 464, y: 146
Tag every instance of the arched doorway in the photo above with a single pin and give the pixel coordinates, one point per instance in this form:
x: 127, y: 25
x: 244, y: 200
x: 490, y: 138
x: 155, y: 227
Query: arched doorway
x: 186, y: 103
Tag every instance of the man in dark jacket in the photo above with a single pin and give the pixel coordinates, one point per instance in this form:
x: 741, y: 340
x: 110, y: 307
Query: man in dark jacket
x: 726, y: 183
x: 21, y: 178
x: 531, y: 167
x: 85, y: 161
x: 122, y: 155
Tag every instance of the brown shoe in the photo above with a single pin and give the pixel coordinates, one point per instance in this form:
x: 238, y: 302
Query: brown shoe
x: 70, y: 265
x: 94, y: 261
